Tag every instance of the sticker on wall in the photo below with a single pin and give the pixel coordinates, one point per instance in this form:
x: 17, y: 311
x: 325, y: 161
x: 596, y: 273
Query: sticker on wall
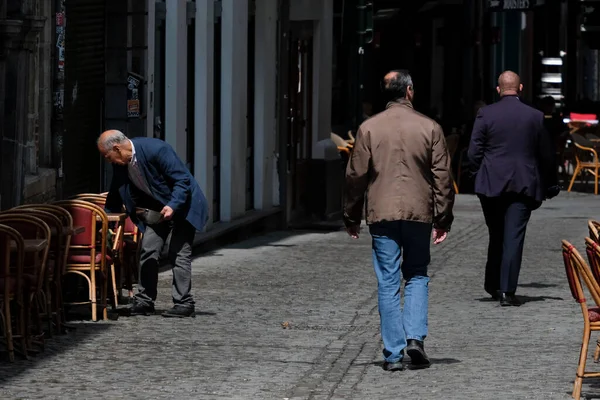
x: 133, y: 108
x: 133, y: 97
x: 61, y: 58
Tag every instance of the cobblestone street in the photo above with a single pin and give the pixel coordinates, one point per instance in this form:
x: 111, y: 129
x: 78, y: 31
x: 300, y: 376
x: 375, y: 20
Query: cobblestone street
x: 294, y: 315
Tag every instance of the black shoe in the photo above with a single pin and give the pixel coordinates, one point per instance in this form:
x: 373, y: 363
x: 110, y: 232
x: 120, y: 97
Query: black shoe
x: 509, y: 300
x: 393, y: 366
x: 494, y: 293
x: 140, y: 309
x: 180, y: 312
x: 418, y: 357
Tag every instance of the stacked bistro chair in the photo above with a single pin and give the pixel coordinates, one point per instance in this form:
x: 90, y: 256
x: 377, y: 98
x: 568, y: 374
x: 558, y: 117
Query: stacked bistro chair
x: 126, y: 242
x: 53, y: 270
x: 88, y: 255
x: 594, y: 229
x: 59, y: 258
x: 34, y: 274
x: 114, y: 240
x: 579, y: 271
x: 11, y: 289
x: 586, y: 159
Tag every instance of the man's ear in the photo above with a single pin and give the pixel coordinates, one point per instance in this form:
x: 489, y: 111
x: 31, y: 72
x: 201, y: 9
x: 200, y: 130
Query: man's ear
x: 498, y: 90
x: 520, y: 87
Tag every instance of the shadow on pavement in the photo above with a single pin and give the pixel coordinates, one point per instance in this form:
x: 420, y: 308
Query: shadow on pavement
x: 441, y: 361
x: 527, y: 299
x: 54, y: 346
x: 524, y: 299
x: 537, y: 285
x: 125, y: 313
x: 253, y: 240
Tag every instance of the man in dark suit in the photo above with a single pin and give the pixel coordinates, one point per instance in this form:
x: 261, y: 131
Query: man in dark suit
x: 514, y: 161
x: 147, y: 173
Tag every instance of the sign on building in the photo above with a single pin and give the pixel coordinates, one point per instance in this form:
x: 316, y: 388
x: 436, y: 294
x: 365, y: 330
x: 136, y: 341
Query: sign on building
x: 510, y: 5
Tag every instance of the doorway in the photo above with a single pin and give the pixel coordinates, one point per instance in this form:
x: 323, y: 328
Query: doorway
x: 299, y: 115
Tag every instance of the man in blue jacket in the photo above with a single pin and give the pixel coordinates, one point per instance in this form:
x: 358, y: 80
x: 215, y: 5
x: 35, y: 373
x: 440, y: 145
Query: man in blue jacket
x: 148, y: 174
x: 514, y: 159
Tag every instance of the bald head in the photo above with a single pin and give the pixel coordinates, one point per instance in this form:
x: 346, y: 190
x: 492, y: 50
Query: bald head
x: 115, y: 147
x: 398, y: 85
x: 108, y: 138
x: 509, y: 83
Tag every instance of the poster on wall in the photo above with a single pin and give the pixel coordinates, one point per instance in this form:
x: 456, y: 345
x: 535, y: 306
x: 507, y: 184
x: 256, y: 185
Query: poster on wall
x: 60, y: 39
x: 134, y: 82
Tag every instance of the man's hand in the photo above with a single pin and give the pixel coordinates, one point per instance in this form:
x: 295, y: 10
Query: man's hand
x: 353, y: 231
x: 167, y: 213
x: 439, y: 235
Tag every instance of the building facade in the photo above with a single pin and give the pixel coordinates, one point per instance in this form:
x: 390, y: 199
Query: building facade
x: 237, y: 88
x: 26, y: 149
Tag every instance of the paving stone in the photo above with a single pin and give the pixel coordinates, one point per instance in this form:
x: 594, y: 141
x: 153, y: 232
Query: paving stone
x: 294, y: 315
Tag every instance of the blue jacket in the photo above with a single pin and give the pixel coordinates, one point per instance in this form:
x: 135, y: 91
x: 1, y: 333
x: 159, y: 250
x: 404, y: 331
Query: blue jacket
x: 511, y: 151
x: 170, y: 182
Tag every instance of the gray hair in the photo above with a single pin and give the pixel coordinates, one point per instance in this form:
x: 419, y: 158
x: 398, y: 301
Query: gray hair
x: 397, y: 83
x: 115, y: 137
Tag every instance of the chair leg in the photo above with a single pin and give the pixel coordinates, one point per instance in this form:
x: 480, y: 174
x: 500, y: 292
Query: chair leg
x: 61, y: 316
x: 7, y: 324
x: 114, y: 286
x: 596, y: 182
x: 575, y: 173
x: 23, y: 324
x: 37, y: 313
x: 104, y: 293
x: 93, y: 298
x: 455, y: 186
x: 597, y: 352
x: 48, y: 306
x: 581, y: 367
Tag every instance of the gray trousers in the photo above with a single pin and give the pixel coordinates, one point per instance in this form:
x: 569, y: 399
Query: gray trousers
x: 180, y: 243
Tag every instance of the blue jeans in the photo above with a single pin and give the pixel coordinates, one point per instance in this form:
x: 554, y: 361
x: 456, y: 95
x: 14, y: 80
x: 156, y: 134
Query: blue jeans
x: 401, y: 249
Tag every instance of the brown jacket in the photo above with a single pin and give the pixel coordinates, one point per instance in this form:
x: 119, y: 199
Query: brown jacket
x: 400, y: 160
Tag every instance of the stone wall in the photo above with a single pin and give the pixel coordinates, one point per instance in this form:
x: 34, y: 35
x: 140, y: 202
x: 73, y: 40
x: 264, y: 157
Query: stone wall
x: 25, y: 114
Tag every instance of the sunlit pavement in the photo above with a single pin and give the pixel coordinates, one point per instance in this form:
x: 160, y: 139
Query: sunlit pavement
x: 294, y: 315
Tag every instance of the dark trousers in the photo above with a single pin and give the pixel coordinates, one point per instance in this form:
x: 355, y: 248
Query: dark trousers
x: 506, y: 217
x: 180, y: 243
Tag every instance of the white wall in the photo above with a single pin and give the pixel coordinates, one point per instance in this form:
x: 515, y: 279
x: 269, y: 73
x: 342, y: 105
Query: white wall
x: 265, y: 98
x: 233, y: 90
x: 234, y: 66
x: 176, y: 77
x: 203, y: 99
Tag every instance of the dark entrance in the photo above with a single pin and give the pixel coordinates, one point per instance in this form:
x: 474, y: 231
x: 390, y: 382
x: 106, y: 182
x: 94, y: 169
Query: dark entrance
x: 300, y: 115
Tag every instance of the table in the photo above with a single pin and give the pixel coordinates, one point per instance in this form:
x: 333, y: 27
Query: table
x: 115, y: 217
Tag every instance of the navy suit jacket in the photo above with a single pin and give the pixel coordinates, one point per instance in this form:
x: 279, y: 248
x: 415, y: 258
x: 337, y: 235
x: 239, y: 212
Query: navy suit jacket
x: 511, y: 151
x: 170, y: 182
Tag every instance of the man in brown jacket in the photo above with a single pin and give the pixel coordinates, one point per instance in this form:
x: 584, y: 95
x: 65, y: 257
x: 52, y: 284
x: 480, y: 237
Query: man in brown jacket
x: 401, y: 163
